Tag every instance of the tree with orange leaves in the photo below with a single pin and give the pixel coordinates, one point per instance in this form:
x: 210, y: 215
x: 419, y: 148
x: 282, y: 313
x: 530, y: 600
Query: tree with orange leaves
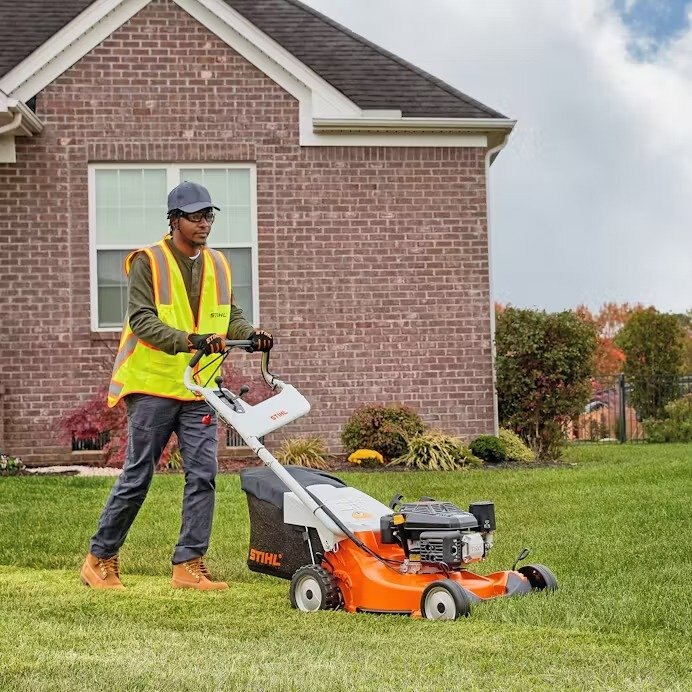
x: 608, y: 321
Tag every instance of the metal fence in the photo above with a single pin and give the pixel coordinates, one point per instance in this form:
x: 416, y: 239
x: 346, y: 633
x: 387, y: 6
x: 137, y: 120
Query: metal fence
x: 91, y: 444
x: 619, y: 406
x: 235, y: 441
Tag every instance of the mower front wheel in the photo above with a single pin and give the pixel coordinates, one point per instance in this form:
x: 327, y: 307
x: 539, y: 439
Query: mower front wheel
x: 313, y: 588
x: 444, y: 600
x: 540, y: 577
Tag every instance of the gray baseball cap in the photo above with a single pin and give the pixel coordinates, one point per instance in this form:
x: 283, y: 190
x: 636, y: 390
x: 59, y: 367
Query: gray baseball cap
x: 189, y: 197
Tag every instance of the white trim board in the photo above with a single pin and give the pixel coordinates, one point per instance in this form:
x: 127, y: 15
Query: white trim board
x: 319, y: 102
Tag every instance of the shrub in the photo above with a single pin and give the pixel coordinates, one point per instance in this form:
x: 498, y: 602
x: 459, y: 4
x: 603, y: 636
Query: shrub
x: 514, y: 447
x: 366, y: 457
x: 489, y: 448
x: 92, y: 418
x: 384, y: 429
x: 653, y: 345
x: 544, y: 366
x: 677, y: 427
x: 10, y: 466
x: 308, y: 452
x: 434, y: 450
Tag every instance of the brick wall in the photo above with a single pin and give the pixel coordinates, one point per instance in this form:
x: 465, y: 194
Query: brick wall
x: 373, y: 262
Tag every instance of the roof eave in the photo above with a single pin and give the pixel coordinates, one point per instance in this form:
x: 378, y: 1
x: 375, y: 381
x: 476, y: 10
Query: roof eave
x: 23, y: 121
x: 31, y: 123
x: 377, y: 125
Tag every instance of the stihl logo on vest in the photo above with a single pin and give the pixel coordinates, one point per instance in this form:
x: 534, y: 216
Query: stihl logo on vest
x: 218, y: 314
x: 278, y: 414
x: 263, y: 558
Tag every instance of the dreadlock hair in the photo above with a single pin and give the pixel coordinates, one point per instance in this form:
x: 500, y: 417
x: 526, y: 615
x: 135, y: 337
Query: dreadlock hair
x: 173, y: 214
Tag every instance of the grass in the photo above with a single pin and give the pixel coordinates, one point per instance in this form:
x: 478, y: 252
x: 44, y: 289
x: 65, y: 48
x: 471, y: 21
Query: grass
x: 612, y: 522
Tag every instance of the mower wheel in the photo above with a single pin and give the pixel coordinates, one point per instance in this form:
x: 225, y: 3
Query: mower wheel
x: 444, y: 600
x: 540, y: 577
x: 313, y: 588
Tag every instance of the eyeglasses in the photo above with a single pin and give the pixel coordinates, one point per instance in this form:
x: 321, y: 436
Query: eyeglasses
x: 197, y: 216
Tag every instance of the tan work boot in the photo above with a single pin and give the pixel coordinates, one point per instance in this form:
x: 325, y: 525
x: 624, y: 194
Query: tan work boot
x: 194, y: 574
x: 101, y: 573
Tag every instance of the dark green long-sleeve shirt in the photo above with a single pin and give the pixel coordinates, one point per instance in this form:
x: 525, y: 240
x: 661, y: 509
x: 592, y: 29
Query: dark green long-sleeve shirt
x: 142, y: 313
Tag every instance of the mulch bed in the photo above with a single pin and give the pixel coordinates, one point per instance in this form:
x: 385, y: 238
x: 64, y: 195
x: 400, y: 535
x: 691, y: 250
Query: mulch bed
x: 340, y: 463
x: 336, y: 463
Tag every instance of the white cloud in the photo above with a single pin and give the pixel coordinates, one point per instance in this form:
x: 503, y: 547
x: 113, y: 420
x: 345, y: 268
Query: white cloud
x: 591, y: 198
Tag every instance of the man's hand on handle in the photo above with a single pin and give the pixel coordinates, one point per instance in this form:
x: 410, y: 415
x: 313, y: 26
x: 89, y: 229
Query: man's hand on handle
x: 260, y: 341
x: 209, y: 343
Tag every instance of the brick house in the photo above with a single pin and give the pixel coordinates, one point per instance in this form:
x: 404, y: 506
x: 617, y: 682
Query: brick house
x: 353, y: 188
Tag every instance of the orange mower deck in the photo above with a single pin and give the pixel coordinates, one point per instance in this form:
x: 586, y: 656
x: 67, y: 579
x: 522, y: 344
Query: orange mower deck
x: 369, y: 585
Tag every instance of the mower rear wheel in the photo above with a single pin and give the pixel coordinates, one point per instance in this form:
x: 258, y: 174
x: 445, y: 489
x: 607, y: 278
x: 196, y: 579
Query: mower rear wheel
x: 313, y: 588
x: 444, y: 600
x: 540, y: 577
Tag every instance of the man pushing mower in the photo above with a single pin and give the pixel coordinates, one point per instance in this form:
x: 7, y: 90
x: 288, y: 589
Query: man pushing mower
x: 179, y: 300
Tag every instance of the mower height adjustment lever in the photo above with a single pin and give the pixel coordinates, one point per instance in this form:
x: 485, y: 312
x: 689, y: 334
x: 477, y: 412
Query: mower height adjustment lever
x: 521, y: 557
x: 396, y: 500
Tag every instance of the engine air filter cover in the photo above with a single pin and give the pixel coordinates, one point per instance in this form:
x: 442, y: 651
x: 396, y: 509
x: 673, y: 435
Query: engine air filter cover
x: 436, y: 516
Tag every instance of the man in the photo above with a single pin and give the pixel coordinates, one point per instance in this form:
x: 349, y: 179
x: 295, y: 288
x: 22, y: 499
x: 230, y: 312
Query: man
x: 179, y: 301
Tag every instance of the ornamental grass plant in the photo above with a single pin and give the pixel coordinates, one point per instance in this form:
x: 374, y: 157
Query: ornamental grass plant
x: 309, y: 452
x: 435, y: 450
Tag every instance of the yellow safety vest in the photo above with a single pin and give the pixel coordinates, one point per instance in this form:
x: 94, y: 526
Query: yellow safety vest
x: 141, y: 368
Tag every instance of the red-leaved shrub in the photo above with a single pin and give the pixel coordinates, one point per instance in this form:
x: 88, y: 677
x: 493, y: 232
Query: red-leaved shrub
x: 92, y: 419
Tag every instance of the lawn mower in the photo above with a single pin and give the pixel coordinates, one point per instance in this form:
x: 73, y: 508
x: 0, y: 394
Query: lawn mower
x: 341, y: 548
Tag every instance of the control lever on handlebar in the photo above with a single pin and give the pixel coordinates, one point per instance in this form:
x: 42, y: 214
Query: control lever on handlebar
x: 244, y: 343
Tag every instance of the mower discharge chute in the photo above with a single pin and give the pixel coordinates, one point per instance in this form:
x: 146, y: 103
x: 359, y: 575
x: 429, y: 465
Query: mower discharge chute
x: 341, y: 548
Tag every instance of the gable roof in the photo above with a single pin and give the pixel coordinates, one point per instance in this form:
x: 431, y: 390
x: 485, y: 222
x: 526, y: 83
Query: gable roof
x: 368, y: 75
x: 27, y: 26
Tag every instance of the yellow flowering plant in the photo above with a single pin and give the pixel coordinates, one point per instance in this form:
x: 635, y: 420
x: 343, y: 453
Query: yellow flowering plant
x: 366, y: 457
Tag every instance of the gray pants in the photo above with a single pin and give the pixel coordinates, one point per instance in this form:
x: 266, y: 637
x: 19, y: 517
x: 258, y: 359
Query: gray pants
x: 151, y: 420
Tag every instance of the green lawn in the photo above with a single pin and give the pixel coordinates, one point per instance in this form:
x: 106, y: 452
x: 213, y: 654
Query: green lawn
x: 612, y: 522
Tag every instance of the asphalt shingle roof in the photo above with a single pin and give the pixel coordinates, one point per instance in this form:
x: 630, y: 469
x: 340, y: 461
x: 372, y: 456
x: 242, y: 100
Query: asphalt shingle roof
x: 26, y: 25
x: 370, y: 76
x: 367, y: 74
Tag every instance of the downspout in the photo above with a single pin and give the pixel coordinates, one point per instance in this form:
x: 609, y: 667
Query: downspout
x: 14, y: 125
x: 488, y: 161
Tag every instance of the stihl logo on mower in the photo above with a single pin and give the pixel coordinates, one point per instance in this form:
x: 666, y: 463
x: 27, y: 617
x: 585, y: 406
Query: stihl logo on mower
x: 263, y: 558
x: 278, y: 414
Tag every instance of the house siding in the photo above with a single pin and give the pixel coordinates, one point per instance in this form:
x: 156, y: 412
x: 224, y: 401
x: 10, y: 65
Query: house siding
x: 373, y: 261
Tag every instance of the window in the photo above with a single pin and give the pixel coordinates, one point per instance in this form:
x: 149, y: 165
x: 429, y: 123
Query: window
x: 127, y: 207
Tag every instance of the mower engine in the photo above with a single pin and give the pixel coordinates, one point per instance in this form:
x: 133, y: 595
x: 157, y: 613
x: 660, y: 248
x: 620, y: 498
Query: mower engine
x: 438, y: 535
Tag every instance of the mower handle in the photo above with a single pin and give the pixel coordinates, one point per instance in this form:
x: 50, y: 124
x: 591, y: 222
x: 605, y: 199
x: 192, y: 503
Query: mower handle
x: 241, y: 343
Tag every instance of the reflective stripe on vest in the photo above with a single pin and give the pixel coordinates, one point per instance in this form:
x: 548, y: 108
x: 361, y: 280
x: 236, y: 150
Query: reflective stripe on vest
x: 141, y: 368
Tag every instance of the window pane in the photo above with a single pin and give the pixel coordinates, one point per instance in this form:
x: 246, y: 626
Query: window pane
x: 239, y: 187
x: 130, y: 206
x: 107, y: 193
x: 112, y: 287
x: 240, y: 260
x: 111, y: 307
x: 111, y: 267
x: 230, y: 190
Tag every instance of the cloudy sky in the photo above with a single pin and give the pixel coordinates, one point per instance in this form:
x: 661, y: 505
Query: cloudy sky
x: 592, y: 197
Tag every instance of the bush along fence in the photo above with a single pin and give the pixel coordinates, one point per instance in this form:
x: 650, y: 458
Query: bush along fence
x: 654, y: 409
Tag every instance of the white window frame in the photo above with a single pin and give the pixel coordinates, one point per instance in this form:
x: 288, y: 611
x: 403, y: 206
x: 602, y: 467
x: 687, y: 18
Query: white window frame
x: 173, y: 179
